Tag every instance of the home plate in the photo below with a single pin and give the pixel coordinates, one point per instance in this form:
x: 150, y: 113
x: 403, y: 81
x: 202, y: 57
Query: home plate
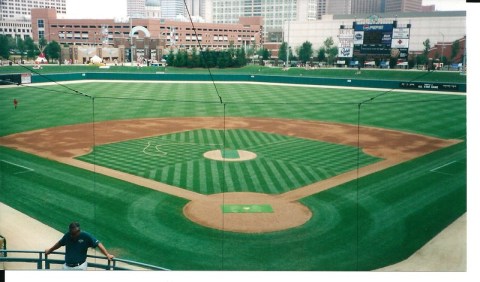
x: 254, y: 208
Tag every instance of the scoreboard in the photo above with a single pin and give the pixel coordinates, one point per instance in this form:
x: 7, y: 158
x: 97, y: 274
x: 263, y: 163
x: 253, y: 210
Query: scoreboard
x: 381, y: 39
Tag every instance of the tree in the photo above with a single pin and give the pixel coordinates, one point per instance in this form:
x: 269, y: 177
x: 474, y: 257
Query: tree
x: 322, y: 54
x: 222, y: 59
x: 455, y: 49
x: 427, y: 47
x: 282, y: 52
x: 21, y: 47
x: 241, y: 57
x: 52, y: 50
x: 4, y: 48
x: 265, y: 54
x: 31, y: 48
x: 181, y: 59
x: 331, y: 51
x: 194, y: 61
x: 305, y: 52
x: 170, y: 58
x: 42, y: 44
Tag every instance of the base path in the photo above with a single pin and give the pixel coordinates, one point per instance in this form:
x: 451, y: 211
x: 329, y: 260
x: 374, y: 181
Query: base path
x: 65, y: 143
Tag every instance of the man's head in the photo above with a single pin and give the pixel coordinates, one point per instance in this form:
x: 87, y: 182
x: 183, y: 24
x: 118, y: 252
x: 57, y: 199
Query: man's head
x: 74, y: 229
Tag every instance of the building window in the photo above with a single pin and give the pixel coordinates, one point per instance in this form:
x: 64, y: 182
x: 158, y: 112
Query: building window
x: 41, y: 34
x: 41, y: 24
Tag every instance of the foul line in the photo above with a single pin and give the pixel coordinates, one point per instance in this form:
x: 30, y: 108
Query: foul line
x: 24, y: 167
x: 437, y: 168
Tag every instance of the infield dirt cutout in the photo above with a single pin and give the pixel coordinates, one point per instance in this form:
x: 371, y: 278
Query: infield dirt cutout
x: 66, y: 142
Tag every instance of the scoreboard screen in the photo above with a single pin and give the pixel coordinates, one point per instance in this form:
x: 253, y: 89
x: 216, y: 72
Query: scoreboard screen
x: 372, y: 37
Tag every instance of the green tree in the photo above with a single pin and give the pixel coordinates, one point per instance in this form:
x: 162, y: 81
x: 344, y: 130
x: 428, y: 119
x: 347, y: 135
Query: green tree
x: 222, y: 59
x: 282, y: 52
x: 194, y: 60
x: 170, y: 58
x: 265, y: 54
x: 4, y: 48
x: 208, y: 58
x: 21, y: 47
x: 455, y: 49
x: 426, y: 47
x: 42, y: 44
x: 331, y: 51
x: 305, y: 52
x: 241, y: 57
x: 31, y: 48
x: 52, y: 50
x: 181, y: 59
x: 322, y: 54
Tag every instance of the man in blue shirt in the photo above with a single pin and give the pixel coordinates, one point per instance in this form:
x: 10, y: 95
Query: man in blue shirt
x: 76, y: 244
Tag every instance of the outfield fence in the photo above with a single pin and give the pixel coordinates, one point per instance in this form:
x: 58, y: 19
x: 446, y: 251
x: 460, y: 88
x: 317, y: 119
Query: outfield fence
x: 343, y: 82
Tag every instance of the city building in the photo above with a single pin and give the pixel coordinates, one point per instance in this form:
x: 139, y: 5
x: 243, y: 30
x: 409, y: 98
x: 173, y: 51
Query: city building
x: 21, y: 8
x: 172, y: 8
x: 368, y: 6
x: 196, y: 8
x: 274, y: 12
x: 153, y: 9
x: 321, y: 8
x: 339, y: 7
x: 163, y: 34
x: 403, y: 6
x: 15, y: 15
x: 136, y: 8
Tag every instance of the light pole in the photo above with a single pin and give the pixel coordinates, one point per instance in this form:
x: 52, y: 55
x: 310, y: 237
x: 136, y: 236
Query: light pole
x: 288, y: 37
x: 443, y: 43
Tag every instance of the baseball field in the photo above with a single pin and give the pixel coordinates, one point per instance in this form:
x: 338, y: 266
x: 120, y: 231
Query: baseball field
x: 237, y: 175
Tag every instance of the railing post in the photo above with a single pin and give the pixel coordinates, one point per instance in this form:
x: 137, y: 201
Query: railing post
x: 39, y: 262
x: 47, y: 262
x: 109, y: 266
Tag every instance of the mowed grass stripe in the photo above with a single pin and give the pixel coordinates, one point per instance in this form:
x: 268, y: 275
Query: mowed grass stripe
x: 276, y: 168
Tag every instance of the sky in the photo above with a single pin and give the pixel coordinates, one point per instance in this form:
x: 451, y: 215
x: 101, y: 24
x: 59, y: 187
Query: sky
x: 108, y: 9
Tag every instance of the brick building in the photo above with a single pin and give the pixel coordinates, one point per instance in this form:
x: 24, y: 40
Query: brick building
x: 156, y: 34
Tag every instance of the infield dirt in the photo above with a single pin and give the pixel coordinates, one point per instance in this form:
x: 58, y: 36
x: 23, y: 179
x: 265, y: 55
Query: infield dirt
x: 66, y: 142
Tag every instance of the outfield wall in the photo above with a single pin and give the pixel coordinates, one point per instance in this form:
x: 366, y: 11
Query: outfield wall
x: 457, y: 87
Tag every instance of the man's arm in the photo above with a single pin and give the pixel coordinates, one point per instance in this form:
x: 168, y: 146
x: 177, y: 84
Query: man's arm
x: 56, y: 246
x: 105, y: 252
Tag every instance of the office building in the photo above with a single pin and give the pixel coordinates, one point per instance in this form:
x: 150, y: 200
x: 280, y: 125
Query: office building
x: 196, y: 8
x: 172, y: 8
x: 15, y: 15
x: 339, y: 7
x: 367, y: 6
x: 274, y: 12
x: 136, y: 9
x: 403, y: 6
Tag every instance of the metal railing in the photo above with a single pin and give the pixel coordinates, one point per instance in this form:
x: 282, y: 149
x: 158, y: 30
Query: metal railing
x: 43, y: 261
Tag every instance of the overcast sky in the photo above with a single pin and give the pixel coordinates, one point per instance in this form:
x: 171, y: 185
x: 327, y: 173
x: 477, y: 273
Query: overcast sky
x: 109, y: 9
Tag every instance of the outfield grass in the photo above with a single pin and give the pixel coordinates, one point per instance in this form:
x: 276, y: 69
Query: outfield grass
x: 365, y: 224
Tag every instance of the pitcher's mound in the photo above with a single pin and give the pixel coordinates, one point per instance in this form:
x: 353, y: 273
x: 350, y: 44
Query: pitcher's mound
x: 230, y: 155
x: 247, y: 212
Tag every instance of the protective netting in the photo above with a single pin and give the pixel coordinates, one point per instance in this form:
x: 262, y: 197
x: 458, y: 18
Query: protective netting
x: 269, y: 177
x: 246, y: 172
